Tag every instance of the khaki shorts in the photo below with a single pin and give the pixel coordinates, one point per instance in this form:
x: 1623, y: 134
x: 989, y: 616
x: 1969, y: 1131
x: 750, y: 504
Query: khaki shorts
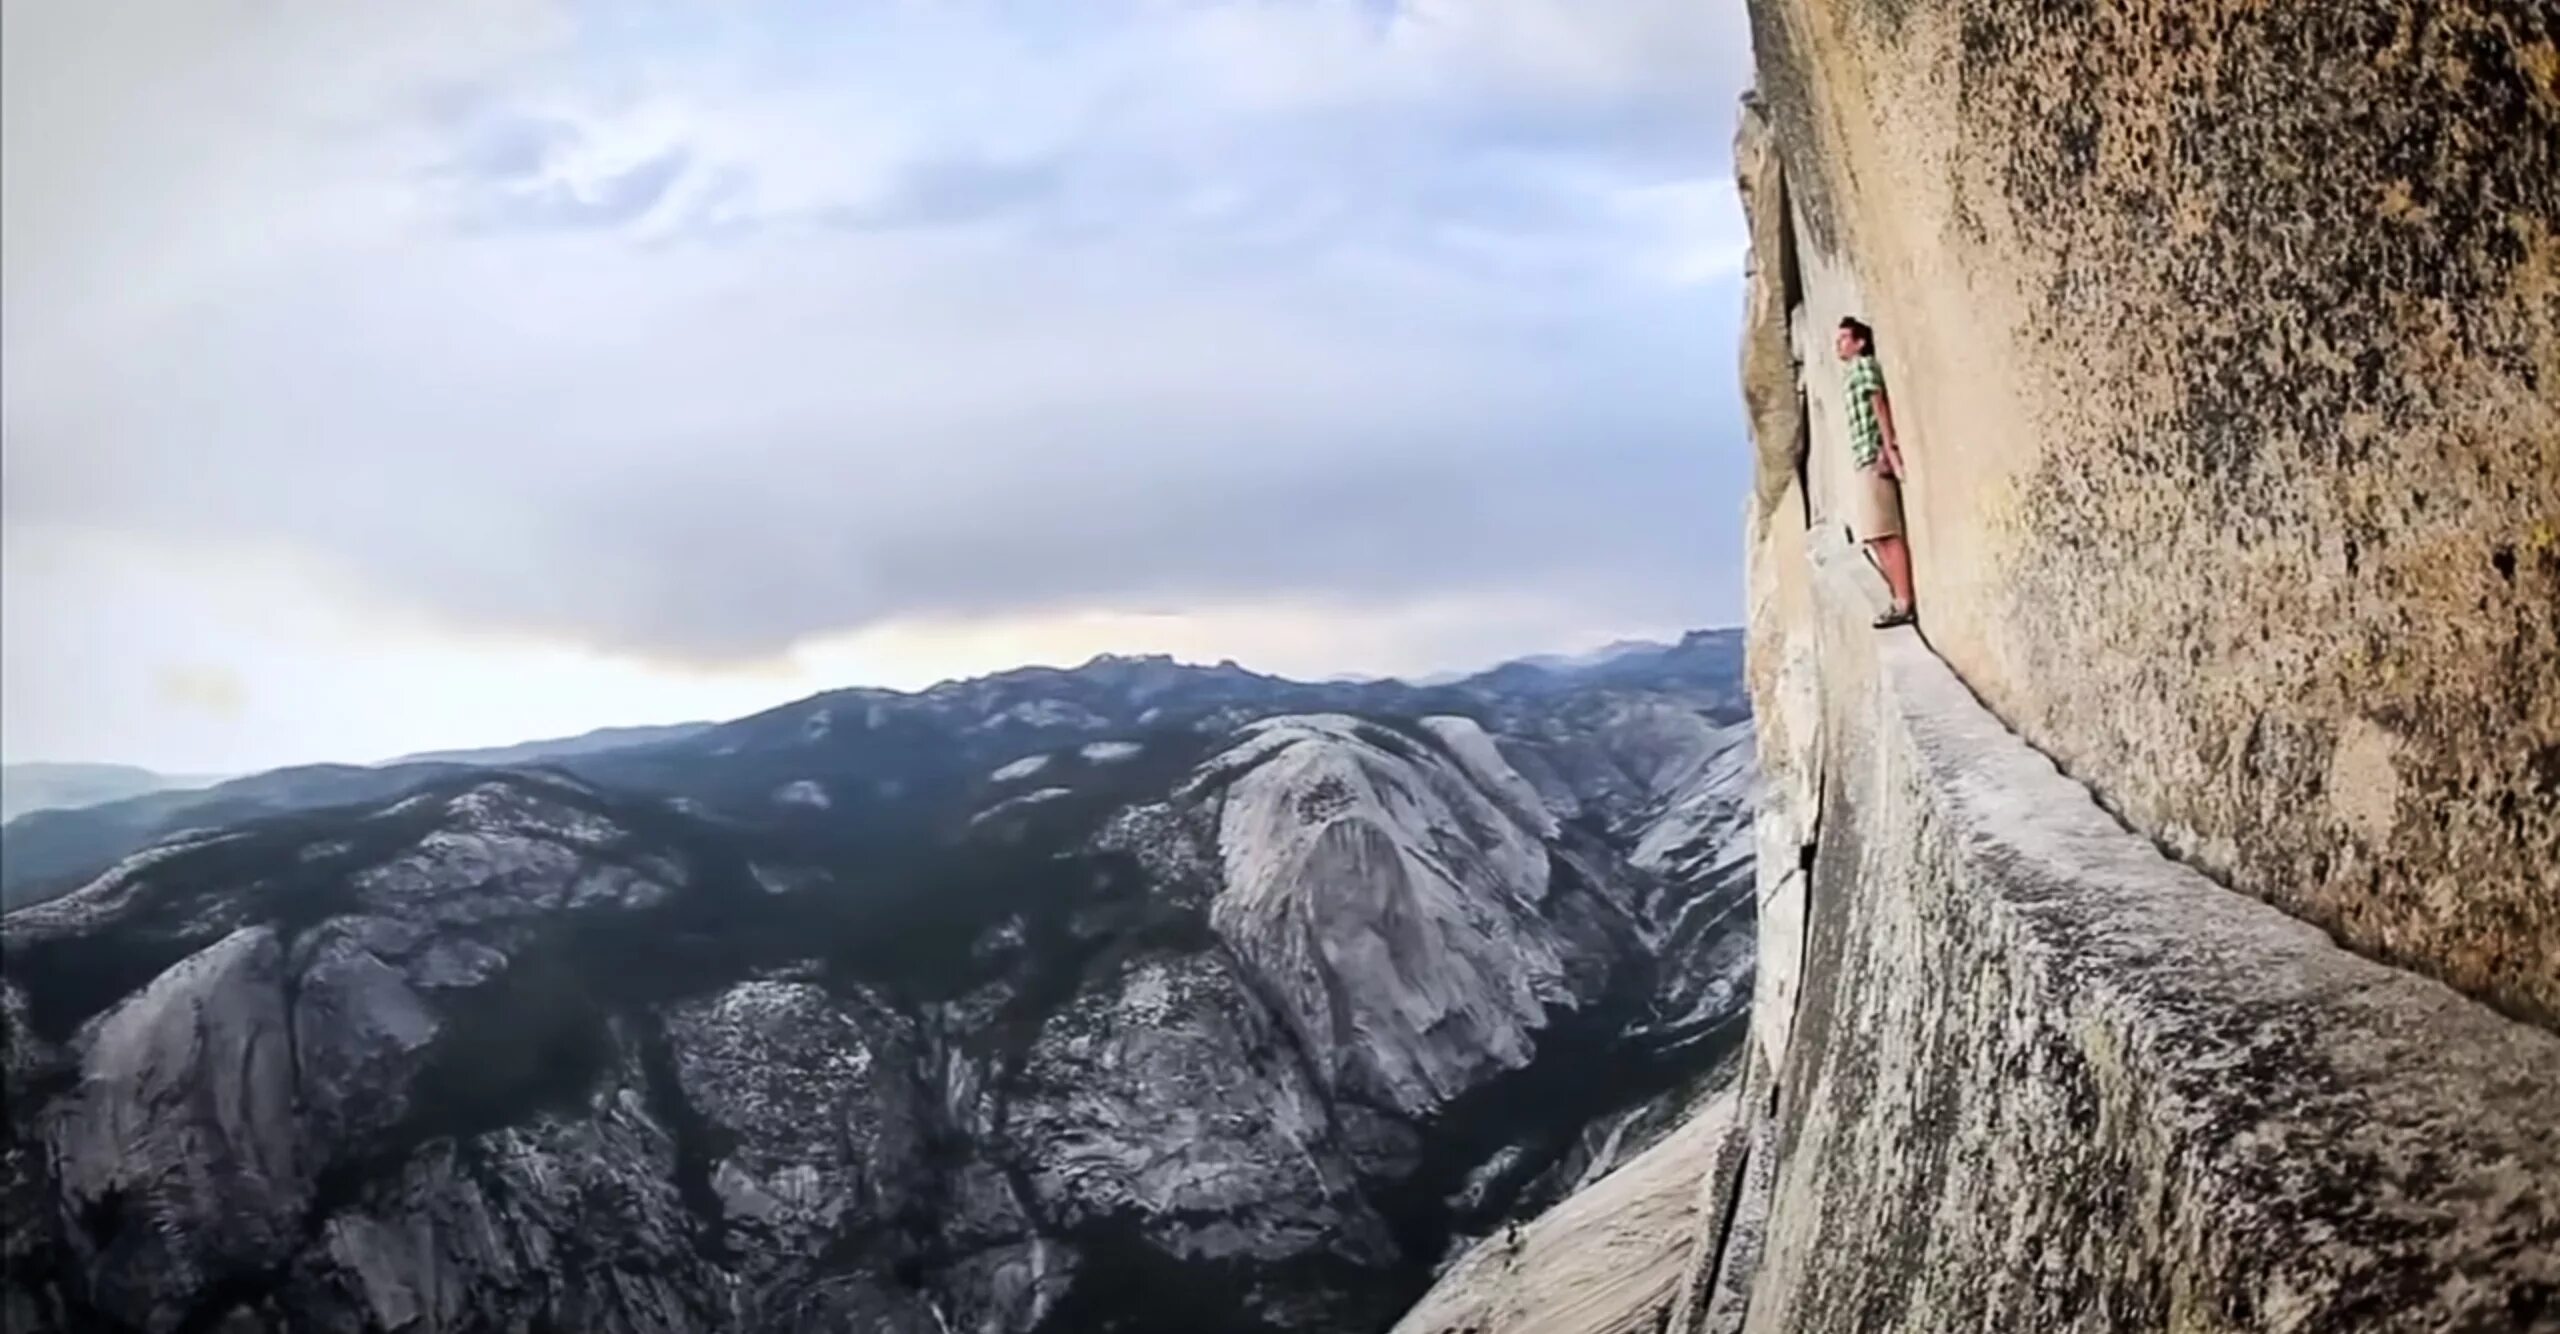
x: 1875, y: 504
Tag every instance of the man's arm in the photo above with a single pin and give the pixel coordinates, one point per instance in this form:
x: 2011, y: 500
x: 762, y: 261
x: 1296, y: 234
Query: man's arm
x: 1892, y: 441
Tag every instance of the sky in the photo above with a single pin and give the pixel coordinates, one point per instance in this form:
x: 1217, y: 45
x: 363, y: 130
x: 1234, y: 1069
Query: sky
x: 378, y: 378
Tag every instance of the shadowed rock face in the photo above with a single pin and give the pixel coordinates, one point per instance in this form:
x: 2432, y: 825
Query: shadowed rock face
x: 1229, y: 1029
x: 2226, y: 339
x: 185, y: 1114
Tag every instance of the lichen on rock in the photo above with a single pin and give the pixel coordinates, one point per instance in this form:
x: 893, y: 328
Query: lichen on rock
x: 2224, y: 343
x: 2225, y: 339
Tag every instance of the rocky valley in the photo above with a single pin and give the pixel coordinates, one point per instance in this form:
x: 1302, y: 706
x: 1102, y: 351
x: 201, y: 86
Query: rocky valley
x: 1134, y: 997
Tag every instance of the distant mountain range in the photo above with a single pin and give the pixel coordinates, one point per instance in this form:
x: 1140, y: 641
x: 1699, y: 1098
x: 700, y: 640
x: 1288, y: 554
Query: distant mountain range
x: 38, y: 787
x: 51, y: 845
x: 534, y: 752
x: 1133, y: 998
x: 44, y: 786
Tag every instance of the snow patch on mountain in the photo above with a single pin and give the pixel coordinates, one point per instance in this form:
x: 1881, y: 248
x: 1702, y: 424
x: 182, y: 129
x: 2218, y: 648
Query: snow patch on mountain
x: 803, y: 793
x: 1019, y: 769
x: 1016, y: 804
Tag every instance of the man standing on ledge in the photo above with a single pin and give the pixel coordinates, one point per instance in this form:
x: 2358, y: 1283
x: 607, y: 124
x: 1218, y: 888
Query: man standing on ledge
x: 1875, y: 490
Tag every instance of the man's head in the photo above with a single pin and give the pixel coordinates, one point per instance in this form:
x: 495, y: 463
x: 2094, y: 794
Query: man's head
x: 1855, y: 339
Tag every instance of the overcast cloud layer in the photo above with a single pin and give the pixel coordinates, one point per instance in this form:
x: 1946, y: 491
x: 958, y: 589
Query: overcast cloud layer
x: 696, y: 334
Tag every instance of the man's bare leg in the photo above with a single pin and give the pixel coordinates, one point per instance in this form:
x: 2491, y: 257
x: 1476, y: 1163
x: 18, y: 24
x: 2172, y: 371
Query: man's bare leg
x: 1893, y: 556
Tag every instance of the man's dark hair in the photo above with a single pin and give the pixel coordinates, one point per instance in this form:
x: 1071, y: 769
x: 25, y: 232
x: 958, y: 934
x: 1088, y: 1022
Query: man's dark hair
x: 1866, y: 336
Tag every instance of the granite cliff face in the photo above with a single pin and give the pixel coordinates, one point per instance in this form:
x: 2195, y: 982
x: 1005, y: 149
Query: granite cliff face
x: 1196, y: 1024
x: 2226, y: 339
x: 2164, y: 935
x: 2223, y: 342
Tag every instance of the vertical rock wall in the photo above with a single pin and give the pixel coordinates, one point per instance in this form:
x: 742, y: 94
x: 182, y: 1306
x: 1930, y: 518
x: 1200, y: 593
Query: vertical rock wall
x: 2041, y: 1077
x: 2225, y: 341
x: 2225, y: 337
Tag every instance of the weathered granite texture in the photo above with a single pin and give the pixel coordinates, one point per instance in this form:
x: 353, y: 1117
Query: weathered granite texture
x: 2226, y: 341
x: 1610, y: 1259
x: 1734, y: 1191
x: 2043, y: 1077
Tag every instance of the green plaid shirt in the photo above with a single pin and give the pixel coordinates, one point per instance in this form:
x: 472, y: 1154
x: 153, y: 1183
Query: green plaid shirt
x: 1866, y: 435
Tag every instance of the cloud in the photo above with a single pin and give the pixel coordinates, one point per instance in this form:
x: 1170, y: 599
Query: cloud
x: 213, y: 690
x: 959, y: 189
x: 608, y: 201
x: 699, y: 332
